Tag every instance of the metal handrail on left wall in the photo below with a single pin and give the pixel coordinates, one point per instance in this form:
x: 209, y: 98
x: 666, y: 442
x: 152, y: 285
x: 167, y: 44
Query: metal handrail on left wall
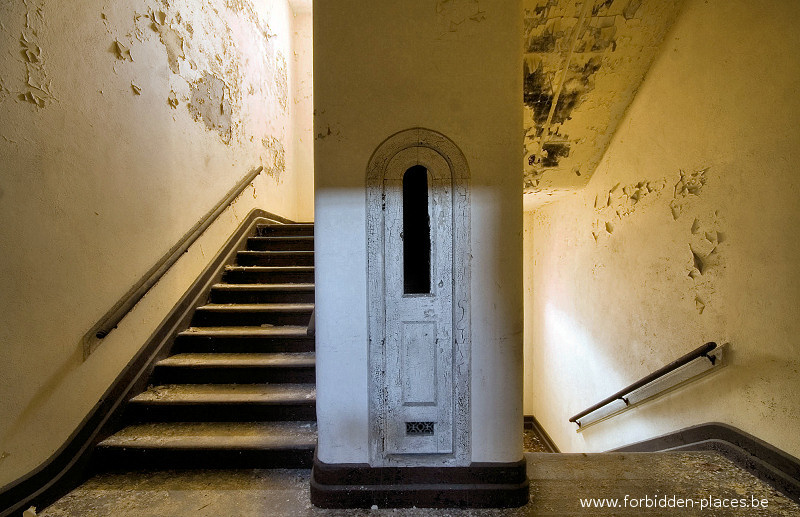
x: 109, y: 321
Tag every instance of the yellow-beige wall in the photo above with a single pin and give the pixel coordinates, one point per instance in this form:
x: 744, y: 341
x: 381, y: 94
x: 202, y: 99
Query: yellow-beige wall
x: 609, y: 297
x: 121, y: 125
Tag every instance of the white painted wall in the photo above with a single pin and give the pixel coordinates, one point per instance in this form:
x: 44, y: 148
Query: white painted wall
x: 601, y: 313
x: 113, y: 161
x: 453, y: 67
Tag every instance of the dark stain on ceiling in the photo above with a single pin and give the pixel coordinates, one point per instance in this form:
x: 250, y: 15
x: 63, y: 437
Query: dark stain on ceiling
x: 583, y: 63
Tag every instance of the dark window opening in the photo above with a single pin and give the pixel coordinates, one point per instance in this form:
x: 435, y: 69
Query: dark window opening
x: 416, y: 232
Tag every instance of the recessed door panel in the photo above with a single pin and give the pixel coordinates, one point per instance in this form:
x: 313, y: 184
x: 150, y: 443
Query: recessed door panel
x: 418, y: 363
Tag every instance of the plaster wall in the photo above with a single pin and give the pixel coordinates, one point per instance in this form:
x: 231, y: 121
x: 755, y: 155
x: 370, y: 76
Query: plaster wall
x: 121, y: 124
x: 685, y: 234
x: 303, y: 108
x: 452, y: 67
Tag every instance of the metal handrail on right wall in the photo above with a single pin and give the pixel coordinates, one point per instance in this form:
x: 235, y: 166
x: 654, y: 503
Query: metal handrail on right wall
x: 624, y: 394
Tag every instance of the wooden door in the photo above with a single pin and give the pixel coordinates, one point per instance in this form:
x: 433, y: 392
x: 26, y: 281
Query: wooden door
x: 418, y: 282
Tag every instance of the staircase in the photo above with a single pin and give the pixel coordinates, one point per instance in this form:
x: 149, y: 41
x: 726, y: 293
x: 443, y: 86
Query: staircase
x: 238, y: 389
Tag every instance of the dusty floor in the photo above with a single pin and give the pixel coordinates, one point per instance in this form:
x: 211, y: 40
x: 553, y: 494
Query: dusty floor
x: 532, y: 443
x: 558, y: 483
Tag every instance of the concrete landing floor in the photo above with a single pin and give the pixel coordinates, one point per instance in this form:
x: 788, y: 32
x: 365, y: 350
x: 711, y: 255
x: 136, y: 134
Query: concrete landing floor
x: 707, y: 484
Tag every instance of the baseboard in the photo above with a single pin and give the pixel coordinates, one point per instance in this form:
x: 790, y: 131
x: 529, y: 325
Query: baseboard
x: 531, y: 424
x: 480, y: 485
x: 770, y: 464
x: 70, y: 465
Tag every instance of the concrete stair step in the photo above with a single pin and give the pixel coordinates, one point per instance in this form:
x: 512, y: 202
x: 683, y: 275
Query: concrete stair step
x: 237, y: 368
x: 268, y: 274
x: 281, y: 243
x: 244, y: 339
x: 262, y: 293
x: 216, y: 435
x: 223, y: 402
x: 294, y: 229
x: 253, y: 314
x: 209, y: 445
x: 274, y: 258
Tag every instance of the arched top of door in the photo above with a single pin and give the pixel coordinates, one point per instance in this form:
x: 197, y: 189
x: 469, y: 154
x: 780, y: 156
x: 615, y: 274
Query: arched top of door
x: 420, y: 138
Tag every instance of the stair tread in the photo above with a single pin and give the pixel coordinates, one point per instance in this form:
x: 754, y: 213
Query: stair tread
x: 201, y: 360
x: 281, y: 237
x: 269, y: 268
x: 276, y: 252
x: 256, y: 307
x: 265, y: 331
x: 215, y: 435
x: 226, y: 394
x: 285, y: 225
x: 263, y: 287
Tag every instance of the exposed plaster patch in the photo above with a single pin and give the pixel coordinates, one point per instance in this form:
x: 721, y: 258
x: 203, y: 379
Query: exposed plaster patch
x: 172, y: 100
x: 121, y: 51
x: 620, y: 201
x: 275, y: 161
x: 37, y: 89
x: 282, y: 81
x: 705, y: 261
x: 137, y: 90
x: 630, y: 10
x: 173, y: 43
x: 699, y: 305
x: 210, y: 102
x: 688, y: 184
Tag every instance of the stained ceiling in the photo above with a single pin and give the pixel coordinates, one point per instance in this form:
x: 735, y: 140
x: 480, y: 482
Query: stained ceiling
x: 583, y: 63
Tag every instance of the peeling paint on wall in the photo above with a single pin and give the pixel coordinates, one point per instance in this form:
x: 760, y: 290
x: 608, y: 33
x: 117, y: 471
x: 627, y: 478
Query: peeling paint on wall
x: 275, y: 160
x: 37, y: 89
x: 210, y: 102
x: 171, y: 39
x: 688, y: 184
x: 282, y: 81
x: 207, y: 72
x: 121, y: 51
x: 621, y: 201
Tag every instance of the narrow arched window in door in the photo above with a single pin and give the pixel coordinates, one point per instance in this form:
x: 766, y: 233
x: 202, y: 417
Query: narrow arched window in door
x: 416, y: 232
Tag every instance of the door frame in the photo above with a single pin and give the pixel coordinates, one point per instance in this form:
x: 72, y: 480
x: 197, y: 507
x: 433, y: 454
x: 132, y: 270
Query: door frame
x: 376, y: 307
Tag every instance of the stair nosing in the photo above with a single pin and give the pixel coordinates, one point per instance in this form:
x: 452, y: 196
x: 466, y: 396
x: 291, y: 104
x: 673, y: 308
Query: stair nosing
x: 221, y: 394
x: 256, y: 307
x: 239, y: 360
x: 223, y: 286
x: 287, y: 268
x: 203, y: 435
x: 284, y: 237
x: 276, y: 252
x: 245, y: 330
